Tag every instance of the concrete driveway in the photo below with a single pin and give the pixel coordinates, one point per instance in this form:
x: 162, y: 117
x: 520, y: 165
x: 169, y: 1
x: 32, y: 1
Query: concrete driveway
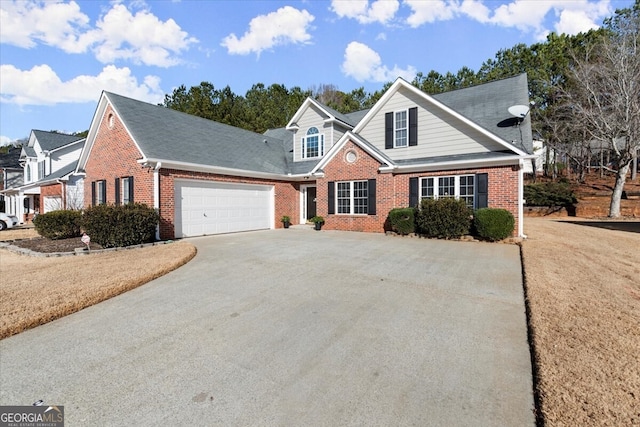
x: 294, y: 327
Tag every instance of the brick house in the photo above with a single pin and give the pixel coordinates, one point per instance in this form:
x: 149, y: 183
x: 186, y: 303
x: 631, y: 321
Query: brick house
x: 205, y: 177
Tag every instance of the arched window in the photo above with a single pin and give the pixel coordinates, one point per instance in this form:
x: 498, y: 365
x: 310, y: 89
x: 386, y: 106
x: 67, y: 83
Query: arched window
x: 313, y: 144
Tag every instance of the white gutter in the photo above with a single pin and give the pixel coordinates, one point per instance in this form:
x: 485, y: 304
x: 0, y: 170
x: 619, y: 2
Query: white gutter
x: 156, y: 193
x: 456, y: 164
x: 192, y: 167
x: 521, y: 200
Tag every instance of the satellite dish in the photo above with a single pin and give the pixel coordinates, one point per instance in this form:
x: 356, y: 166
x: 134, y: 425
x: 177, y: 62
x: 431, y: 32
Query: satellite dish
x: 519, y: 111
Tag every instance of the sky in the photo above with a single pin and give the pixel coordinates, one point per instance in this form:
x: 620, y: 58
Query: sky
x: 56, y: 57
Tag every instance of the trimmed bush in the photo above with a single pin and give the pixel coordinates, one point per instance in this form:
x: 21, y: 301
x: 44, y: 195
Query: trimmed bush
x: 57, y: 225
x: 443, y: 218
x: 549, y: 194
x: 402, y: 221
x: 124, y: 225
x: 493, y: 224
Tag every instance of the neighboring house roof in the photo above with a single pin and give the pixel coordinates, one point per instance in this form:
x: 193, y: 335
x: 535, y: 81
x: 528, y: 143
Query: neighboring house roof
x: 50, y: 141
x: 11, y: 159
x: 61, y: 174
x: 487, y: 105
x: 28, y: 152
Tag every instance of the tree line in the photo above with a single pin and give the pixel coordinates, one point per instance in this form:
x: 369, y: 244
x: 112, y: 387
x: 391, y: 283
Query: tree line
x: 585, y: 89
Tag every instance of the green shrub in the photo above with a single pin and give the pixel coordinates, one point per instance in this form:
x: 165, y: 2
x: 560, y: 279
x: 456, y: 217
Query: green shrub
x: 549, y: 194
x: 402, y: 220
x: 443, y: 218
x: 493, y: 224
x: 124, y: 225
x: 58, y: 224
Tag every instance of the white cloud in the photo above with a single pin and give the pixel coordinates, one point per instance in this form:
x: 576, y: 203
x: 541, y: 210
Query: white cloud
x: 364, y: 64
x: 581, y: 16
x: 140, y: 38
x: 287, y: 25
x: 430, y: 11
x: 42, y: 86
x: 5, y: 140
x: 381, y: 11
x: 24, y: 23
x: 569, y: 16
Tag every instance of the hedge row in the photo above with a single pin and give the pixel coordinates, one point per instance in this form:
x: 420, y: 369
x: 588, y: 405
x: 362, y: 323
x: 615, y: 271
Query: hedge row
x: 108, y: 225
x: 448, y: 218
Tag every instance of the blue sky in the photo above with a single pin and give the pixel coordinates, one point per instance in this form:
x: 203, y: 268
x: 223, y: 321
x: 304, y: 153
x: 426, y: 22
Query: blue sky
x: 57, y: 57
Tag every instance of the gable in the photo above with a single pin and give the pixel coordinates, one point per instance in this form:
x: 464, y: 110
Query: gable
x: 439, y: 133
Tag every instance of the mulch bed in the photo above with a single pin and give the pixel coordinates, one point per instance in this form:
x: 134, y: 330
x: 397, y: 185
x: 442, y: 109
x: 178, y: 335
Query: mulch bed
x: 44, y: 245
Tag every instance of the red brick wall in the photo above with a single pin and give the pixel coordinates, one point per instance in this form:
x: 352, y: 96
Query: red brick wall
x: 51, y: 190
x: 392, y: 190
x: 365, y: 167
x: 114, y: 155
x: 286, y: 196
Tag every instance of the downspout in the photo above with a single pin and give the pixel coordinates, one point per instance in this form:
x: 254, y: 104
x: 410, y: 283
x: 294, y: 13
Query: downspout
x: 156, y: 193
x: 521, y: 199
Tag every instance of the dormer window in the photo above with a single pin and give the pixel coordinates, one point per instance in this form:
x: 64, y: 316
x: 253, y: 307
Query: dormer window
x: 312, y: 144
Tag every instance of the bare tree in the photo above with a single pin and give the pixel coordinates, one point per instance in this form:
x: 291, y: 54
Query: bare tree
x: 604, y: 95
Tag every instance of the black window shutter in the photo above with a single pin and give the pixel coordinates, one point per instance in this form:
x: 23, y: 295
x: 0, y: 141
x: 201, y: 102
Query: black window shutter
x: 331, y: 198
x: 413, y: 126
x: 388, y: 130
x: 413, y: 192
x: 117, y: 191
x: 130, y: 189
x: 104, y: 191
x: 482, y: 190
x: 93, y: 193
x: 371, y: 197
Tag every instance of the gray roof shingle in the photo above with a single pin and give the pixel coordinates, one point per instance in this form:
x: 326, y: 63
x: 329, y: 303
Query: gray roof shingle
x: 52, y: 140
x: 487, y: 105
x: 167, y: 134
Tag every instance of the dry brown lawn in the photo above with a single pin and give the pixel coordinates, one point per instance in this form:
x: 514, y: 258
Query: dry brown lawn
x: 34, y: 290
x: 583, y: 294
x: 583, y: 291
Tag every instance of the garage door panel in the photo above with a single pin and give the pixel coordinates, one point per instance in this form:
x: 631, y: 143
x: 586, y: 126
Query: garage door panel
x: 209, y: 207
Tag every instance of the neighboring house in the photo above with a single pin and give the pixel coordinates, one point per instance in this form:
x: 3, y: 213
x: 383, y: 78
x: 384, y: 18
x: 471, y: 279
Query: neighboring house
x: 10, y: 172
x: 49, y: 181
x: 205, y: 177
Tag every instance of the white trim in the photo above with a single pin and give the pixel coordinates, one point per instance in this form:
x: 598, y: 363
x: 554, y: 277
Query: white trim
x: 193, y: 167
x: 293, y: 125
x: 303, y: 201
x: 401, y: 83
x: 406, y: 128
x: 521, y: 200
x: 348, y: 136
x: 156, y: 193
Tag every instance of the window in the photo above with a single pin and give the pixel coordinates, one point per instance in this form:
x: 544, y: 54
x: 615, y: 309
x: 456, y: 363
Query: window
x: 352, y: 197
x: 124, y: 190
x: 400, y: 127
x: 28, y: 173
x: 313, y: 144
x: 99, y: 192
x: 460, y: 187
x: 40, y: 170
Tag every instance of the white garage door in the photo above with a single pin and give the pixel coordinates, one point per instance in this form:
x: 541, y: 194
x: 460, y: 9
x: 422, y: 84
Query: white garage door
x: 207, y: 207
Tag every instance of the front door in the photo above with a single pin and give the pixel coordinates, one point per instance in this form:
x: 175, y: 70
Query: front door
x: 311, y: 202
